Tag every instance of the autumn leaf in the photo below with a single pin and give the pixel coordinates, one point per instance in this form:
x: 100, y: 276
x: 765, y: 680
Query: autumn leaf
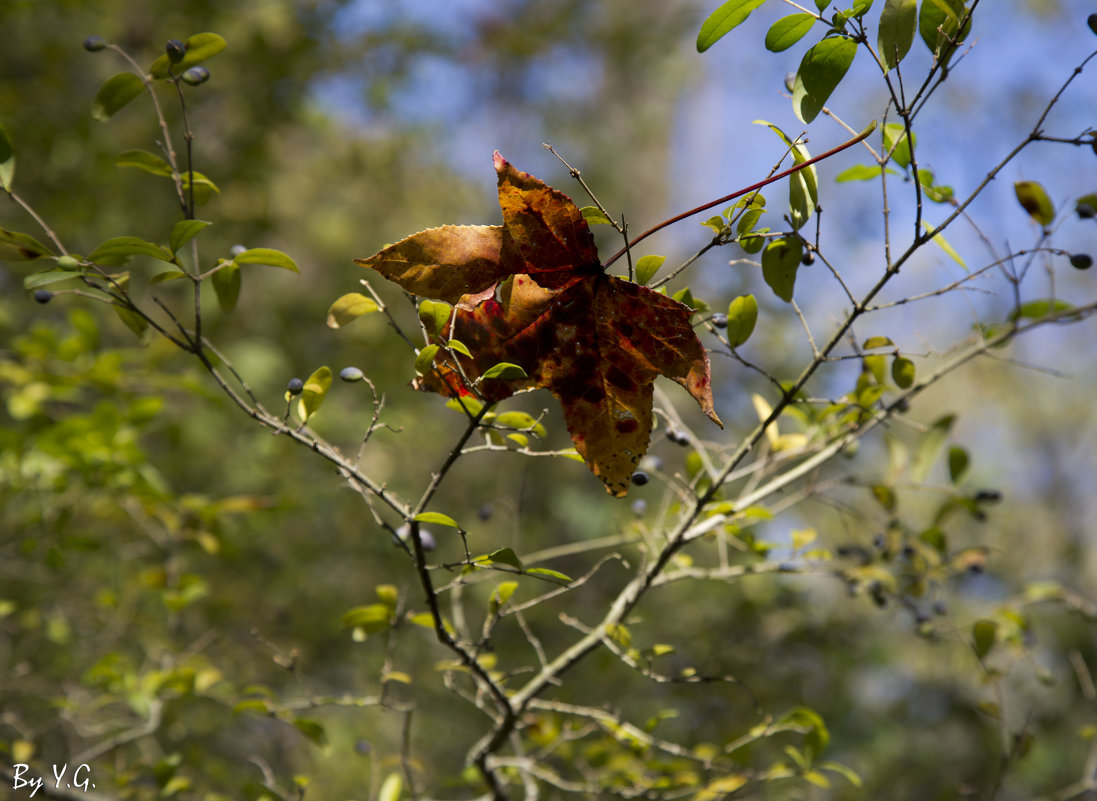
x: 532, y: 292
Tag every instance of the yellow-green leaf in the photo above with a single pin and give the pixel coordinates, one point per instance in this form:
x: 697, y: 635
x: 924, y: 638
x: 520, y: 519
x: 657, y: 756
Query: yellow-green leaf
x: 437, y: 518
x: 316, y: 389
x: 350, y: 307
x: 198, y: 48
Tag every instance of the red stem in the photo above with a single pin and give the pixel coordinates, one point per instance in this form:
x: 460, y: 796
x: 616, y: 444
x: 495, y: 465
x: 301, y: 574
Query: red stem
x: 754, y: 188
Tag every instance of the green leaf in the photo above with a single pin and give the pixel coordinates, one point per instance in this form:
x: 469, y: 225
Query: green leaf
x: 754, y: 242
x: 312, y: 730
x: 780, y: 260
x: 933, y: 191
x: 724, y: 19
x: 143, y: 160
x: 803, y: 186
x: 506, y: 556
x: 1034, y: 199
x: 858, y: 172
x: 935, y: 538
x: 256, y: 705
x: 267, y: 256
x: 897, y: 143
x: 938, y: 23
x: 749, y: 218
x: 115, y: 94
x: 184, y: 231
x: 371, y: 617
x: 817, y: 737
x: 134, y: 321
x: 902, y: 372
x: 316, y: 389
x: 595, y: 216
x: 721, y: 787
x: 957, y: 464
x: 437, y: 518
x: 465, y: 405
x: 983, y: 634
x: 716, y: 223
x: 742, y: 317
x: 226, y: 283
x: 504, y: 371
x: 820, y: 72
x: 943, y: 244
x: 425, y: 359
x: 198, y: 48
x: 885, y: 496
x: 522, y: 422
x: 787, y: 31
x: 15, y: 246
x: 685, y: 297
x: 434, y: 314
x: 503, y: 593
x: 619, y: 634
x: 37, y: 280
x: 167, y: 275
x: 930, y: 448
x: 646, y: 267
x: 1035, y: 309
x: 876, y: 364
x: 7, y: 160
x: 391, y: 788
x: 897, y: 24
x: 349, y: 308
x: 119, y: 248
x: 545, y: 572
x: 458, y: 346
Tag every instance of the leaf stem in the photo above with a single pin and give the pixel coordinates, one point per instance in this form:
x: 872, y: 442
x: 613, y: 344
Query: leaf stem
x: 753, y: 188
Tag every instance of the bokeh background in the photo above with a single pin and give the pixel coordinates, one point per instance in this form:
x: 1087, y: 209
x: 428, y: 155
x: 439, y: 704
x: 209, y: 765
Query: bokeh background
x: 144, y: 525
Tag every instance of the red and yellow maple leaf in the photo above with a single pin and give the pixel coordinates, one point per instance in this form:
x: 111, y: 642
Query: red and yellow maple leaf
x: 533, y: 293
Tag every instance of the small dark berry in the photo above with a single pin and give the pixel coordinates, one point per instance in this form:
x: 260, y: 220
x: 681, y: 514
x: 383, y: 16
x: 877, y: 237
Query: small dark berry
x: 175, y: 50
x: 975, y: 569
x: 351, y: 374
x: 878, y: 595
x: 879, y: 541
x: 42, y: 295
x: 195, y: 76
x: 1091, y: 21
x: 921, y: 617
x: 639, y: 507
x: 94, y: 44
x: 808, y: 258
x: 640, y: 478
x: 295, y: 386
x: 988, y: 496
x: 940, y: 608
x: 1081, y: 261
x: 677, y: 437
x: 485, y: 511
x: 720, y: 320
x: 236, y: 250
x: 363, y: 747
x: 1086, y: 211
